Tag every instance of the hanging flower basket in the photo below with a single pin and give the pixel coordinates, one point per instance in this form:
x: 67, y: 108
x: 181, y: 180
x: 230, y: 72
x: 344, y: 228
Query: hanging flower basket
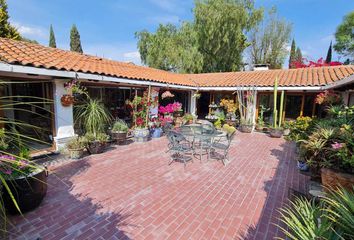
x: 67, y: 100
x: 167, y: 94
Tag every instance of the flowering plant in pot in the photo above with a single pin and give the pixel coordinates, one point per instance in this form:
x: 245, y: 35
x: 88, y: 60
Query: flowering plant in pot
x: 74, y: 90
x: 276, y: 131
x: 188, y: 118
x: 25, y: 181
x: 140, y: 106
x: 177, y: 109
x: 155, y: 127
x: 119, y: 131
x: 76, y: 147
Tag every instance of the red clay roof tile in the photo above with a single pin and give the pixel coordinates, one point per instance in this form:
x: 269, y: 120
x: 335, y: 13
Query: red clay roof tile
x: 27, y: 54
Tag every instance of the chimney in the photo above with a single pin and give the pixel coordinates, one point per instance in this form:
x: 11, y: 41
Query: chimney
x: 260, y: 67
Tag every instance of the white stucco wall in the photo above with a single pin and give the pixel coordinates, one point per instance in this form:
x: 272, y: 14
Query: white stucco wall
x: 64, y: 120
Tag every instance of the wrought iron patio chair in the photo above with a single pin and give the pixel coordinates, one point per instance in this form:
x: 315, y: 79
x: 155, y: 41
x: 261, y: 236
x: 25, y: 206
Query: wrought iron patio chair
x: 224, y: 147
x: 179, y: 147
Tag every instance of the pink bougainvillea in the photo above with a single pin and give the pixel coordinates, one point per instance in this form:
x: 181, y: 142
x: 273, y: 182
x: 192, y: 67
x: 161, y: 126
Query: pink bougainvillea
x: 328, y: 98
x: 170, y: 108
x: 305, y: 63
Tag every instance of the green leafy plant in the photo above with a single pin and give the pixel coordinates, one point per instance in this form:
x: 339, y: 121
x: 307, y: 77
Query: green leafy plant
x: 76, y: 143
x: 99, y: 137
x: 329, y: 219
x: 92, y: 116
x: 120, y: 126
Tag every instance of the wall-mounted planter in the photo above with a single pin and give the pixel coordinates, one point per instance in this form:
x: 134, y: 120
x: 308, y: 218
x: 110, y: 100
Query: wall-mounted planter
x: 67, y: 100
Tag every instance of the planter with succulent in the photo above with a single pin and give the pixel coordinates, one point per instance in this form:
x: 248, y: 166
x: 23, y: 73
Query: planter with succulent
x: 26, y: 182
x: 247, y: 106
x: 96, y: 143
x: 76, y: 147
x: 276, y: 131
x: 119, y: 131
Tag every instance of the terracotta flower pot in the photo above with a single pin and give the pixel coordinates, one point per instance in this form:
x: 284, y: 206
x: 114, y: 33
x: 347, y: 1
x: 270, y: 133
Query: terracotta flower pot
x: 332, y: 179
x: 67, y: 100
x: 276, y: 132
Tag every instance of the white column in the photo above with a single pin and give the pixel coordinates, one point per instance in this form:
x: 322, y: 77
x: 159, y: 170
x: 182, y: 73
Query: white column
x: 192, y: 103
x: 64, y: 120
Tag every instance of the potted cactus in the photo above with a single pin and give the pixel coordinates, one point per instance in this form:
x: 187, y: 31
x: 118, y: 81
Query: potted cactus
x: 119, y: 131
x: 276, y: 131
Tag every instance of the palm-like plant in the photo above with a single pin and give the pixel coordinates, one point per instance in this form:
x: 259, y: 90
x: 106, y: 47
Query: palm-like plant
x: 92, y: 116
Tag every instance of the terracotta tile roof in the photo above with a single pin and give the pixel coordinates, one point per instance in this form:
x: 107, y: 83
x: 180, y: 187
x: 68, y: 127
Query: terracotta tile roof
x: 27, y: 54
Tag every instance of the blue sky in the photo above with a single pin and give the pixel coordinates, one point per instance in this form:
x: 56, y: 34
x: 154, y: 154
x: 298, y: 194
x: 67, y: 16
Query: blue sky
x: 107, y: 27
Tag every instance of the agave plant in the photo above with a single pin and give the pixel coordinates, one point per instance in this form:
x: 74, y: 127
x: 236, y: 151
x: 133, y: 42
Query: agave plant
x: 340, y: 211
x: 330, y: 219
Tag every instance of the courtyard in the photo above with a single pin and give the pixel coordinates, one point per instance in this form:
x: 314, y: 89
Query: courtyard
x: 130, y: 192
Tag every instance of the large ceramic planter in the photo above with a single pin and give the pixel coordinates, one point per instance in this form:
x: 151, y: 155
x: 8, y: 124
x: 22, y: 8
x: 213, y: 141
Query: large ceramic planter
x: 332, y: 179
x: 76, y: 153
x: 28, y: 192
x: 276, y: 132
x: 141, y: 134
x: 156, y: 132
x: 119, y: 137
x: 96, y: 147
x: 246, y: 128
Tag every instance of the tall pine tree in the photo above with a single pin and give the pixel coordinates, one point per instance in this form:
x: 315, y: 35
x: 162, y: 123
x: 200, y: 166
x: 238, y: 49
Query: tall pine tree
x: 75, y: 42
x: 52, y: 42
x: 298, y: 55
x: 329, y: 54
x: 292, y: 57
x: 6, y: 29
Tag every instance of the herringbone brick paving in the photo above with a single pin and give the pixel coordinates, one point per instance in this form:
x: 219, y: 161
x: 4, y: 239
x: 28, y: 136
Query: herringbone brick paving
x: 130, y: 192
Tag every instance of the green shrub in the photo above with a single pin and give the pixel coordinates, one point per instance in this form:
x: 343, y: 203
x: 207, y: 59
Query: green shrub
x: 120, y: 126
x: 76, y: 143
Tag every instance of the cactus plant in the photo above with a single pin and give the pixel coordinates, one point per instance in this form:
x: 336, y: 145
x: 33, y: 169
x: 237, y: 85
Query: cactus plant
x: 278, y: 123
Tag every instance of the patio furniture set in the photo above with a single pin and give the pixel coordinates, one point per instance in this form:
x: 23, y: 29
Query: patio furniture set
x: 196, y: 140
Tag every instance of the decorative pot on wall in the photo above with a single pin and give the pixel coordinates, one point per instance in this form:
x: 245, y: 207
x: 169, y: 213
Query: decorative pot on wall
x: 67, y: 100
x: 28, y: 192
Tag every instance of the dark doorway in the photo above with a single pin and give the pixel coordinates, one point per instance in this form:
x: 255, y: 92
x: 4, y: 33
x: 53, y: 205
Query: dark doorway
x: 203, y: 105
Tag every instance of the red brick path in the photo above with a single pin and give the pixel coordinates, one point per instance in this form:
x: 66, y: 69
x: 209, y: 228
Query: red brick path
x: 130, y: 192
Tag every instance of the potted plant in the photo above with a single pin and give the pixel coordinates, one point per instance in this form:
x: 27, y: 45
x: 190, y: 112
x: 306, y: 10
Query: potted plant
x: 276, y: 131
x: 155, y: 128
x: 26, y: 182
x: 119, y: 131
x: 247, y: 105
x: 177, y: 109
x: 188, y: 118
x: 140, y: 107
x: 96, y: 143
x: 76, y: 147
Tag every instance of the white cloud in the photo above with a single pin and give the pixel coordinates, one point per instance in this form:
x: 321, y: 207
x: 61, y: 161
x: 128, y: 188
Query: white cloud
x: 132, y: 56
x: 328, y: 38
x: 33, y: 32
x: 168, y: 5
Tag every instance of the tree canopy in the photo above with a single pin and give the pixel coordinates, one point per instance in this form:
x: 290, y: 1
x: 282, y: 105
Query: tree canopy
x: 6, y: 29
x: 269, y: 40
x: 292, y: 57
x: 52, y: 42
x: 214, y: 41
x: 75, y: 42
x: 345, y: 36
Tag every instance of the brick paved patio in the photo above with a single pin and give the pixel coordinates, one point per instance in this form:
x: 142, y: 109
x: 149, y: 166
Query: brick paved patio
x: 131, y: 193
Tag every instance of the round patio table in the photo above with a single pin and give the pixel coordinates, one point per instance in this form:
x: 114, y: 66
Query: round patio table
x: 204, y: 139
